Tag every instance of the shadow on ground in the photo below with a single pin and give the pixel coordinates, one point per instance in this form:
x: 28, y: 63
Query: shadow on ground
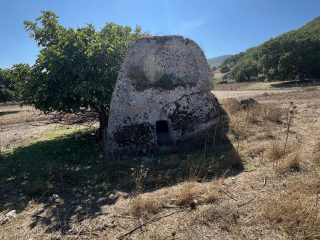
x: 73, y: 168
x: 8, y: 112
x: 291, y: 84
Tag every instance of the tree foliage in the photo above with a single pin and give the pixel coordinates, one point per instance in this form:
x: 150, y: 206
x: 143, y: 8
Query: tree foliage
x: 12, y: 81
x: 76, y: 69
x: 6, y: 86
x: 295, y: 54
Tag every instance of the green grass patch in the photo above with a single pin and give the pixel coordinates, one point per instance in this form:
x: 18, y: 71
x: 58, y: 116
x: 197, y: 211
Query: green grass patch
x: 64, y: 161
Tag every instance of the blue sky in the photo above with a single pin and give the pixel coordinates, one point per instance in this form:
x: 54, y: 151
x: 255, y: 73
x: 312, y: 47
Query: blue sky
x: 218, y: 26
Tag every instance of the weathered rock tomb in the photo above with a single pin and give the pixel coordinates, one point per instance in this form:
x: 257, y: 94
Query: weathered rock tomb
x: 162, y: 98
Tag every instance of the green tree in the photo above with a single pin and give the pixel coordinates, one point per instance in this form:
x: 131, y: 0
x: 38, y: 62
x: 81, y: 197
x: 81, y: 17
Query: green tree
x: 12, y: 82
x: 291, y: 56
x: 244, y: 71
x: 225, y: 69
x: 20, y: 76
x: 213, y: 68
x: 6, y: 86
x: 76, y: 69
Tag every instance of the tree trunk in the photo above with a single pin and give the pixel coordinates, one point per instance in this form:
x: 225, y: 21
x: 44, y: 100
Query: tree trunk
x: 301, y: 75
x: 103, y: 124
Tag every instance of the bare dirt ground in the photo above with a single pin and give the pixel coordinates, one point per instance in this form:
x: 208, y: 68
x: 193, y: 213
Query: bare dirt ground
x: 20, y: 125
x: 274, y: 197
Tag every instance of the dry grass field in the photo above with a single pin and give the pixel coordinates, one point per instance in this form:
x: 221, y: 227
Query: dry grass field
x: 265, y: 185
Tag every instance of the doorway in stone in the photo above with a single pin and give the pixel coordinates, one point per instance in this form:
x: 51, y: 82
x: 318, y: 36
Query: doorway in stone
x: 163, y: 133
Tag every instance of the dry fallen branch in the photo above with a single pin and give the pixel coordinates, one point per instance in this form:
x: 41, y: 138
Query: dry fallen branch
x: 123, y: 216
x: 147, y: 222
x: 245, y: 203
x: 228, y: 194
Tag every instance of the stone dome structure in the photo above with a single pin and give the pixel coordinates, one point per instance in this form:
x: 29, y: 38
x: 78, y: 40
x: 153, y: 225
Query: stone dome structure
x: 162, y: 98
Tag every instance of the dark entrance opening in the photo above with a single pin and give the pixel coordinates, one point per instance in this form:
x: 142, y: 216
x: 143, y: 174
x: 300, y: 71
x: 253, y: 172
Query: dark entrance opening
x: 163, y: 134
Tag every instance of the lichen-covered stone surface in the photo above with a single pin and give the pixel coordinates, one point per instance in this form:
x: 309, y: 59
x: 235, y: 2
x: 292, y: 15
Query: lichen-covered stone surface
x: 163, y: 79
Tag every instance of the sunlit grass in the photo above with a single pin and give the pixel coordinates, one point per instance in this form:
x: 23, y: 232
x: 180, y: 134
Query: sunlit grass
x: 67, y: 160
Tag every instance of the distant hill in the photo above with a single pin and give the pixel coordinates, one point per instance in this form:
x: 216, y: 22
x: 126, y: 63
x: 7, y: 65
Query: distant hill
x: 217, y: 61
x: 295, y: 54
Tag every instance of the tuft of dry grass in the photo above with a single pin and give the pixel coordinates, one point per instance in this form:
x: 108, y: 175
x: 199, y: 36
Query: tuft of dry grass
x: 211, y: 194
x: 143, y: 205
x: 297, y: 215
x: 225, y: 217
x: 264, y: 112
x: 309, y: 183
x: 316, y: 159
x: 232, y: 105
x: 296, y: 210
x: 187, y: 193
x: 243, y: 116
x: 275, y: 152
x: 271, y: 113
x: 316, y: 155
x: 155, y: 234
x: 255, y: 112
x: 285, y: 160
x: 238, y: 128
x: 192, y: 194
x: 290, y: 163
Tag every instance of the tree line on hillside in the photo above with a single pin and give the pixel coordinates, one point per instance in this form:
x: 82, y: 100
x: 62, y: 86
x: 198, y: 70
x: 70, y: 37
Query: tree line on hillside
x: 75, y: 70
x: 292, y: 55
